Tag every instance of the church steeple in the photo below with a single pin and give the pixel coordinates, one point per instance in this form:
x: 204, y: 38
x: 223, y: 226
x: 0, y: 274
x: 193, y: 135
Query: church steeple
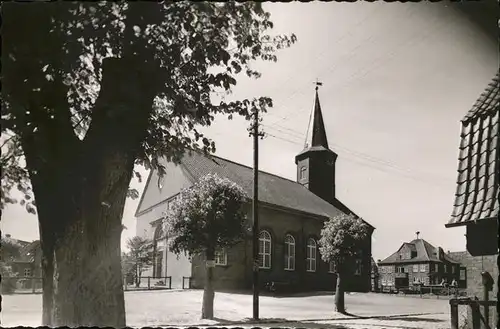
x: 316, y: 134
x: 316, y: 162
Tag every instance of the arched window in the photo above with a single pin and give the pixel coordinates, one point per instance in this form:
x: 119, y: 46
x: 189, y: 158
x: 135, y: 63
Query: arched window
x: 264, y: 249
x: 289, y: 253
x: 158, y: 248
x: 311, y: 255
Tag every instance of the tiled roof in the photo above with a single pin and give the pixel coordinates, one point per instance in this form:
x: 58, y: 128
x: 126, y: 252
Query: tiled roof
x: 28, y: 252
x: 476, y: 195
x: 425, y: 253
x: 273, y: 190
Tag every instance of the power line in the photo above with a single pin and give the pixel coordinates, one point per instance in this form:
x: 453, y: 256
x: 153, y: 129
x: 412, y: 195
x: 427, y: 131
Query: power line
x: 381, y: 60
x: 334, y: 67
x: 347, y: 150
x: 380, y: 166
x: 322, y: 53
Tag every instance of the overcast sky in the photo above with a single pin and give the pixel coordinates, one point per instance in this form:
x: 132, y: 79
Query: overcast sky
x: 397, y: 79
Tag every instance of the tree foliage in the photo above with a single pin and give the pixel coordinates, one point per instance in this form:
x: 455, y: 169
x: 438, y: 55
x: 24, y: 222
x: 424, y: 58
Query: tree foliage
x: 207, y: 215
x: 9, y: 249
x: 53, y: 73
x: 141, y: 253
x: 341, y: 239
x: 91, y: 89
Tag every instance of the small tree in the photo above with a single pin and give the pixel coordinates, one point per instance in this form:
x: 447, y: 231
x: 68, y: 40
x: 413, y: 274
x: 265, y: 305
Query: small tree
x: 341, y: 239
x: 205, y: 218
x: 140, y: 256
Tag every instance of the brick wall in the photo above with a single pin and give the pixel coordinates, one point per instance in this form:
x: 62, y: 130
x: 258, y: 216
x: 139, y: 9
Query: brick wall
x: 475, y: 265
x: 238, y: 272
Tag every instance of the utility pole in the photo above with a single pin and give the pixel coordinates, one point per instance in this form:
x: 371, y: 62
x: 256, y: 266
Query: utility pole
x: 255, y: 212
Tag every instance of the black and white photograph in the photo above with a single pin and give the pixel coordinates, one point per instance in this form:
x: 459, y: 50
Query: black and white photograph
x: 320, y: 164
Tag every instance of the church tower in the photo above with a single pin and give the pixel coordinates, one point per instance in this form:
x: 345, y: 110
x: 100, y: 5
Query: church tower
x: 316, y: 162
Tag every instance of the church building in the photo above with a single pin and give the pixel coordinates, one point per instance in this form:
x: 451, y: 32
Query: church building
x: 291, y: 216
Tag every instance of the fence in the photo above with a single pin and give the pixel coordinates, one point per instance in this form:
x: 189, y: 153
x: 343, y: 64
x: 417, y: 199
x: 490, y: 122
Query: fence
x: 466, y: 313
x: 148, y: 283
x: 21, y: 285
x: 436, y: 290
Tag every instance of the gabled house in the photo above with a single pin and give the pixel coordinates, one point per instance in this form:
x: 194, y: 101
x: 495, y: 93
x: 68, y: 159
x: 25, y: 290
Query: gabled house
x: 291, y: 215
x: 418, y: 262
x: 476, y: 199
x: 25, y: 263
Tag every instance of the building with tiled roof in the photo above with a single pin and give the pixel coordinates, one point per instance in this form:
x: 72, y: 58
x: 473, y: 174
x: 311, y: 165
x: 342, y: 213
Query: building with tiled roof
x: 477, y: 190
x: 419, y: 262
x: 291, y: 217
x: 24, y: 260
x: 476, y: 203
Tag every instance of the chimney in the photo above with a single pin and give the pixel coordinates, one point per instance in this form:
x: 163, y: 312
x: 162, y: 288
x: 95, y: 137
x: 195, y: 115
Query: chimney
x: 7, y: 235
x: 418, y: 233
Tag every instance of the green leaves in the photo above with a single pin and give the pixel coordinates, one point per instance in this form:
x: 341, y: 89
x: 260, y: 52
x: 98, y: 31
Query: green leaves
x: 341, y: 238
x: 55, y: 70
x: 207, y: 215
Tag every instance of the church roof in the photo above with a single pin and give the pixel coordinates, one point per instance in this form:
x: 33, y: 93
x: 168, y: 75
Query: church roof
x: 273, y: 189
x: 316, y: 133
x: 316, y: 139
x: 476, y: 195
x: 425, y: 253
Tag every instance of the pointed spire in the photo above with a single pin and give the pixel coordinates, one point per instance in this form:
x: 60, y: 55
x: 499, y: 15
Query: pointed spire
x: 316, y: 134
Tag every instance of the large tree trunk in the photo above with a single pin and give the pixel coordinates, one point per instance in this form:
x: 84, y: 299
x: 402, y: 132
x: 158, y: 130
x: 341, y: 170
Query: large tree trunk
x: 207, y: 311
x: 80, y: 199
x: 339, y: 295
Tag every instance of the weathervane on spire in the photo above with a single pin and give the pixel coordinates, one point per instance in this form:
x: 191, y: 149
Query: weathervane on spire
x: 317, y: 83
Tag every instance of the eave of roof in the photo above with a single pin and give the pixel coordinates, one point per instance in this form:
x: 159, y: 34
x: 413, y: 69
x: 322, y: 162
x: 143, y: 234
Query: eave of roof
x: 476, y: 196
x: 313, y: 206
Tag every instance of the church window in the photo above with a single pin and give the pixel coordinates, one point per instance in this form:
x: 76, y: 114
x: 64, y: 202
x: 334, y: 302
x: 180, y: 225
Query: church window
x: 221, y: 257
x: 331, y: 267
x: 289, y: 253
x: 160, y: 182
x: 27, y: 272
x: 303, y: 172
x: 158, y: 245
x: 311, y: 255
x: 359, y: 267
x: 265, y: 249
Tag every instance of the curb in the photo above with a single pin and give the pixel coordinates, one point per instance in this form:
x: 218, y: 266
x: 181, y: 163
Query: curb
x: 272, y: 321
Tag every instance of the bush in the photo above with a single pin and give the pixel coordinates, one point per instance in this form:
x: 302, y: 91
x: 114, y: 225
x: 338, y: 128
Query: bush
x: 9, y: 280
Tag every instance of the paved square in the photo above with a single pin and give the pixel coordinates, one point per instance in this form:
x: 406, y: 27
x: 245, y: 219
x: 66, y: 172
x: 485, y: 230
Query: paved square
x: 183, y: 308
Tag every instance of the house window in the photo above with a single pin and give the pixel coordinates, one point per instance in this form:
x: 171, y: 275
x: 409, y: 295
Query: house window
x: 445, y: 268
x: 436, y: 268
x: 359, y: 267
x: 303, y: 172
x: 415, y: 268
x: 265, y: 249
x: 331, y: 267
x: 221, y: 257
x: 27, y: 272
x: 289, y: 253
x: 462, y: 274
x: 422, y: 268
x: 311, y: 255
x: 452, y: 269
